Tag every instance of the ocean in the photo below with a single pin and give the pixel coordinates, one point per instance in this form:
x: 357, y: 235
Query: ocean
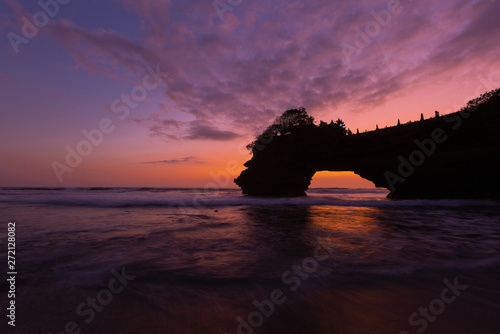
x: 158, y: 260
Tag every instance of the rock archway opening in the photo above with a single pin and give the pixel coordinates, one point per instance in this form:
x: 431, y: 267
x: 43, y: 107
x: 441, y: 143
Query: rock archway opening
x: 346, y: 179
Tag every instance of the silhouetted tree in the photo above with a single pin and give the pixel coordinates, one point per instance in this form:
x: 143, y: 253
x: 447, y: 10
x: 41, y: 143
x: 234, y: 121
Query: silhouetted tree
x: 284, y: 124
x: 341, y: 125
x: 293, y: 118
x: 488, y: 96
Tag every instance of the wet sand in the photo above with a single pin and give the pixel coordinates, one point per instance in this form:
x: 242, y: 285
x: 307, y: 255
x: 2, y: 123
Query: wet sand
x: 364, y: 305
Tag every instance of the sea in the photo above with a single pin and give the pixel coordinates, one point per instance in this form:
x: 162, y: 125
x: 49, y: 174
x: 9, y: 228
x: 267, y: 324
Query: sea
x: 175, y: 260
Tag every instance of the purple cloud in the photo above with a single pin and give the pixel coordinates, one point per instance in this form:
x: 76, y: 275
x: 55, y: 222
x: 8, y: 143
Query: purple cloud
x: 267, y: 57
x: 200, y: 130
x: 186, y: 160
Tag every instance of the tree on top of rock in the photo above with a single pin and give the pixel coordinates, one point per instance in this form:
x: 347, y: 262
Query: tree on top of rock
x: 337, y: 127
x: 341, y: 125
x: 293, y: 118
x: 484, y: 98
x: 284, y: 124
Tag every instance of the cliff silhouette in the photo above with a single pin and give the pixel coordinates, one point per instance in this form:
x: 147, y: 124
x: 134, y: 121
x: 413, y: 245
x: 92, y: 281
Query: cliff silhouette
x: 451, y: 156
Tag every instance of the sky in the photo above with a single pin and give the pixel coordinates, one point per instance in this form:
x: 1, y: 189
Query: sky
x: 166, y: 93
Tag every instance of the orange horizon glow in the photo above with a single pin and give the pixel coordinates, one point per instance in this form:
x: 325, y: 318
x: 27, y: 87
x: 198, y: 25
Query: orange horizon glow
x: 213, y: 85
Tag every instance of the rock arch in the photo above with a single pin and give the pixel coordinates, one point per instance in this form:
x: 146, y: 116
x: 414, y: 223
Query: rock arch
x: 453, y: 156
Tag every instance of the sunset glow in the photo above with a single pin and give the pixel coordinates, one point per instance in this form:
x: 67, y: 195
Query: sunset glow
x: 182, y: 86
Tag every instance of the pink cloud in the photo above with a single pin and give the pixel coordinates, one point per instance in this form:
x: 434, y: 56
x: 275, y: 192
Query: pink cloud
x: 234, y: 76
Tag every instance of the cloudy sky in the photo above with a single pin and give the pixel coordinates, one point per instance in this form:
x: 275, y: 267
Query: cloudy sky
x: 168, y: 92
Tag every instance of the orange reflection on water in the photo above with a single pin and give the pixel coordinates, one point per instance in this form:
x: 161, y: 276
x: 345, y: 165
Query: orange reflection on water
x: 353, y: 230
x: 346, y: 220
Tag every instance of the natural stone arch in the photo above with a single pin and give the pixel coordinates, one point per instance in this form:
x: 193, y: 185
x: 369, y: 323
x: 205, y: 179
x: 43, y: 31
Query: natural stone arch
x: 453, y: 156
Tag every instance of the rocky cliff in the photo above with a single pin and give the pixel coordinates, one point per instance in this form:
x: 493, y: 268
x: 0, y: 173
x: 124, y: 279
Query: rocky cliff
x: 453, y: 156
